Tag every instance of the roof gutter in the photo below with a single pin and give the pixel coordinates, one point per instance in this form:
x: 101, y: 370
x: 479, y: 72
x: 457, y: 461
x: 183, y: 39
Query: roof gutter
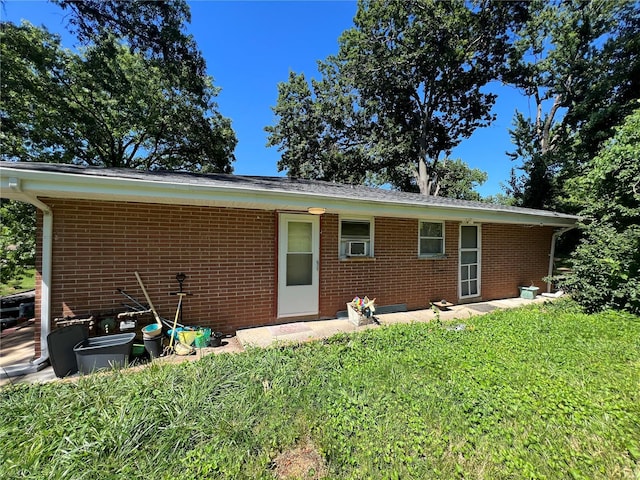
x: 45, y: 285
x: 552, y: 254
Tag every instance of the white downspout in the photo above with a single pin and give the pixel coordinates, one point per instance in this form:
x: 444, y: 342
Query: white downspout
x: 554, y: 237
x: 45, y: 285
x: 45, y: 281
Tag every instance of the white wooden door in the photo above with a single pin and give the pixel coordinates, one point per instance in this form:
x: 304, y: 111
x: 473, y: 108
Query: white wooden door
x: 469, y: 261
x: 298, y: 265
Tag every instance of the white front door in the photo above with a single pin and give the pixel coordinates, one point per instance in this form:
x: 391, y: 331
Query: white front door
x: 298, y: 265
x: 469, y: 261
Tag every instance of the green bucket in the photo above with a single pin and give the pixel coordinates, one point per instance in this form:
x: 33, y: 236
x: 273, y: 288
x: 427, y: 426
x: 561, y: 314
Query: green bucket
x: 202, y: 338
x: 137, y: 350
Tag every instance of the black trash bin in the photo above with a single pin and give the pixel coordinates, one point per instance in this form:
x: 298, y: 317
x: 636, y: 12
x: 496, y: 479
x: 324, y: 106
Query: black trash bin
x: 60, y: 343
x: 153, y: 345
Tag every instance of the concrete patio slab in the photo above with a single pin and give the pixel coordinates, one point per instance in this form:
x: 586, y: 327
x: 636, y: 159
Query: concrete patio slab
x: 315, y: 330
x: 289, y: 328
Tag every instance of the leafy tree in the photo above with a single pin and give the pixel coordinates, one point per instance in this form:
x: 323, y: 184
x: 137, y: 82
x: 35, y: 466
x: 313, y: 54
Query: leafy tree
x: 404, y: 89
x: 136, y: 96
x: 606, y: 264
x: 458, y: 180
x: 17, y: 239
x: 500, y: 199
x: 106, y: 107
x: 603, y: 101
x: 319, y: 130
x: 31, y: 59
x: 575, y: 60
x: 153, y: 29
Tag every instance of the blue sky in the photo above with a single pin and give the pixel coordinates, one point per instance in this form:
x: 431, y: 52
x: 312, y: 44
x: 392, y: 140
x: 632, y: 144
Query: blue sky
x: 250, y: 47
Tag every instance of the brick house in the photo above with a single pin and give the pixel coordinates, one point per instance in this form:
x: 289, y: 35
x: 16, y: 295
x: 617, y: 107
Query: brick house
x: 266, y: 250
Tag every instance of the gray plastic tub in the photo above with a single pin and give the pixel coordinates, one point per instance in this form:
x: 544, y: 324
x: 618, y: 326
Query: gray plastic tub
x: 108, y: 351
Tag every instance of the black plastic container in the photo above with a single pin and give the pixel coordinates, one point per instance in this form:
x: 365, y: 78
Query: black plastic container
x: 61, y: 342
x: 153, y: 345
x: 109, y: 351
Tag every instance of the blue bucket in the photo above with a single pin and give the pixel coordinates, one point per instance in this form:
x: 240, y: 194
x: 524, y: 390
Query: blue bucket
x: 152, y: 330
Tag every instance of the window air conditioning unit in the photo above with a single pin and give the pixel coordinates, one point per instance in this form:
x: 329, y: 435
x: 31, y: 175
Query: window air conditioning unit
x: 357, y: 249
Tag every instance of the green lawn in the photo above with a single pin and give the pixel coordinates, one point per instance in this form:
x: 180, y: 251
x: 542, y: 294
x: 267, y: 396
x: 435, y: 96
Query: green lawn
x: 26, y: 282
x: 539, y: 392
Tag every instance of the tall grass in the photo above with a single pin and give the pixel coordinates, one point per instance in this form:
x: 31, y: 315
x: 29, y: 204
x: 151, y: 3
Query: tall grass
x: 540, y: 392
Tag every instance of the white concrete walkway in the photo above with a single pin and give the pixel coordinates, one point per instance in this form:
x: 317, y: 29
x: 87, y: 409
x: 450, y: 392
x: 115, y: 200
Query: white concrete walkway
x: 314, y: 330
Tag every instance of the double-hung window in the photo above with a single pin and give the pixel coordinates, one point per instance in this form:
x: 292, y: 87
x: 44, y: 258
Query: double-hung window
x: 356, y: 237
x: 431, y: 239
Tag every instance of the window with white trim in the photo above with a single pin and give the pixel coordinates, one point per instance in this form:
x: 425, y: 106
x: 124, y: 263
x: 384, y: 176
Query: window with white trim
x: 430, y: 239
x: 356, y: 237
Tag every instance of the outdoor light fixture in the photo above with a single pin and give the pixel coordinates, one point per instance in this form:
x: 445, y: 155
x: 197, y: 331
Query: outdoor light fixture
x: 316, y: 210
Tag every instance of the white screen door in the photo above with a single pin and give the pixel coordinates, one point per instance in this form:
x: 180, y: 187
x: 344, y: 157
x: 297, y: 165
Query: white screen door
x: 298, y: 265
x: 469, y: 261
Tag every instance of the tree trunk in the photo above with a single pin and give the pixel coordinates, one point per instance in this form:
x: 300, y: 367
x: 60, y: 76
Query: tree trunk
x: 423, y: 179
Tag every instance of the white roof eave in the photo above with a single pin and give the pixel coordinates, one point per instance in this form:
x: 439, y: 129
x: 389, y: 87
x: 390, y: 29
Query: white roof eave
x: 46, y: 184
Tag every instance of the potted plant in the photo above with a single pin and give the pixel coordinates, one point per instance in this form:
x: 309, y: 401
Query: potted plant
x: 361, y: 310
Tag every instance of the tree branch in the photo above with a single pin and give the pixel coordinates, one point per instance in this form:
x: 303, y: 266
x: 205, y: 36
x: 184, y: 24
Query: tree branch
x: 546, y: 147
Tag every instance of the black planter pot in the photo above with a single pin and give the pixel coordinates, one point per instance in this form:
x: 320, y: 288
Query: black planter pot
x: 153, y: 345
x: 216, y: 339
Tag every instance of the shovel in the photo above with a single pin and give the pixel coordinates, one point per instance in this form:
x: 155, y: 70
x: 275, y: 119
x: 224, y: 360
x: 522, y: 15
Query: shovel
x: 179, y: 349
x: 146, y: 295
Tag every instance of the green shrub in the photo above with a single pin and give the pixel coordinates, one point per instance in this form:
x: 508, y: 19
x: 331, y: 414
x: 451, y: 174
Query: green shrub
x: 606, y: 264
x: 606, y: 269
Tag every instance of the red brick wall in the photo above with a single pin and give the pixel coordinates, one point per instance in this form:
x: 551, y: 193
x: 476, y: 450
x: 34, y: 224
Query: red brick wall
x: 512, y: 255
x: 229, y: 256
x: 396, y: 275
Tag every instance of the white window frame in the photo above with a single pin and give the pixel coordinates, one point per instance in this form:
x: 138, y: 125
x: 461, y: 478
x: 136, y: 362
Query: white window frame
x: 431, y: 255
x: 371, y: 222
